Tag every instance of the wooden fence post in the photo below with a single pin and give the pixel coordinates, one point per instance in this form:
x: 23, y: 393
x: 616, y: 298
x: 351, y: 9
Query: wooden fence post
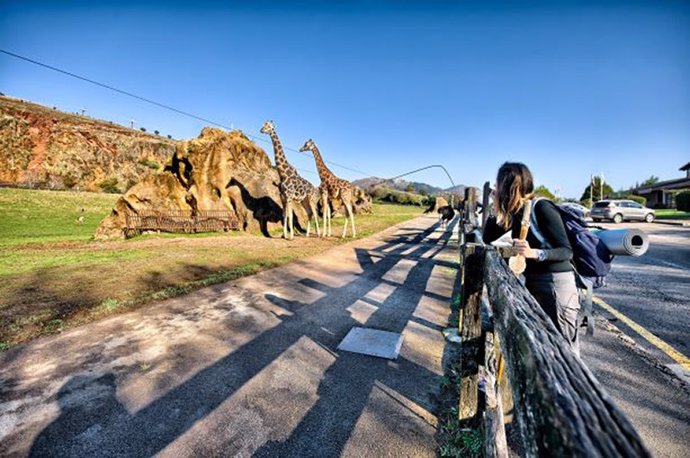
x: 471, y: 330
x: 485, y: 203
x: 495, y: 443
x: 562, y: 408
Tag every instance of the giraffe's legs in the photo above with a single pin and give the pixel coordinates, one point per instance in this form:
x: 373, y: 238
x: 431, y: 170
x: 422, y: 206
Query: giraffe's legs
x: 315, y: 215
x: 352, y: 220
x: 324, y: 208
x: 308, y: 210
x: 329, y: 215
x: 291, y: 225
x: 309, y: 205
x: 286, y: 208
x: 349, y: 214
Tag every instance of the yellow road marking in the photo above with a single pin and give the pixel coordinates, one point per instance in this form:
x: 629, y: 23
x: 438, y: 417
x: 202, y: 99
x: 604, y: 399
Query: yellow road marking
x: 677, y: 356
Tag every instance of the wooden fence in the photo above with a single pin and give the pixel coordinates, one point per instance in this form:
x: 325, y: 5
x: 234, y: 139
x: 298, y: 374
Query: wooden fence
x: 510, y: 348
x: 179, y: 221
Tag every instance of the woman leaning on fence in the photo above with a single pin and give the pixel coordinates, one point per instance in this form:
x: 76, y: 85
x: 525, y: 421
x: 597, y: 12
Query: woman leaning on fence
x: 549, y: 274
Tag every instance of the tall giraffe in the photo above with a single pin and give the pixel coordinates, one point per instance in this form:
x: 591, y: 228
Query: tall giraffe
x: 332, y: 188
x: 293, y: 188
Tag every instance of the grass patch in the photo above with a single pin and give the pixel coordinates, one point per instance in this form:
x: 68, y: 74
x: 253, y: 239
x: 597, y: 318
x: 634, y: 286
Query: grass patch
x: 462, y: 442
x: 672, y: 214
x: 53, y: 276
x: 453, y: 438
x: 34, y: 216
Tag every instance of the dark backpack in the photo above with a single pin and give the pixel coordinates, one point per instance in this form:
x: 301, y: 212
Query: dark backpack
x: 591, y: 258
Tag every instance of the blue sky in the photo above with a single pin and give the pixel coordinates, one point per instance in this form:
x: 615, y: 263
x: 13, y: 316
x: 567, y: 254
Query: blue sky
x: 569, y: 88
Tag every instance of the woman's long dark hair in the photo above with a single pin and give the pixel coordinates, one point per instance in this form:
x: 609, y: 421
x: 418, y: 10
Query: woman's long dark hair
x: 513, y: 186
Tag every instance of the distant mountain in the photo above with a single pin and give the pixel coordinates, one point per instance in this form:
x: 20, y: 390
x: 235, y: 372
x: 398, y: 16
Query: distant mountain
x: 369, y: 183
x: 457, y: 189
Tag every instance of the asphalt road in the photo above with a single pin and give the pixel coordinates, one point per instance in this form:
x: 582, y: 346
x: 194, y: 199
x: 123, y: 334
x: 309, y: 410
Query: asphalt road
x: 640, y: 350
x: 654, y: 289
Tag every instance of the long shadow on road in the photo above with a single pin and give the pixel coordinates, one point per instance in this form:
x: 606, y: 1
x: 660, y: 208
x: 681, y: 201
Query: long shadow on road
x: 100, y: 426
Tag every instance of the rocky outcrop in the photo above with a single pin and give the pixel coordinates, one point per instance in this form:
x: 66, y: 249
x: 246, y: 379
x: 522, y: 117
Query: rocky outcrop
x: 217, y: 171
x: 438, y: 202
x: 45, y: 148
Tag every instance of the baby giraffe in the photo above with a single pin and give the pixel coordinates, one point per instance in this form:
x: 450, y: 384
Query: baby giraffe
x: 332, y: 188
x: 293, y: 188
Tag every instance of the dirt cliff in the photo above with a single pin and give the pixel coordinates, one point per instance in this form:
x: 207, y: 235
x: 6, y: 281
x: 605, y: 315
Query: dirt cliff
x: 48, y: 148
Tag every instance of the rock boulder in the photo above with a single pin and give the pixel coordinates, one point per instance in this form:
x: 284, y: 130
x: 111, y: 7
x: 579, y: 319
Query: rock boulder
x: 217, y: 171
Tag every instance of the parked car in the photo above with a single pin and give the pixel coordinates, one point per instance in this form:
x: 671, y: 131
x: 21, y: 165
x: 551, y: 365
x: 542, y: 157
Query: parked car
x: 621, y: 210
x: 574, y: 205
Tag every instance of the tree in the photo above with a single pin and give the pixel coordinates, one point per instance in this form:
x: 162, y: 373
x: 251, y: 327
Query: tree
x: 543, y: 191
x: 652, y: 180
x: 156, y: 132
x: 683, y: 201
x: 143, y: 129
x: 639, y: 199
x: 598, y: 190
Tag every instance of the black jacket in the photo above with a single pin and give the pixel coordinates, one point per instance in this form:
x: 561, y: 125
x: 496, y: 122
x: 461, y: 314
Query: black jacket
x: 558, y: 252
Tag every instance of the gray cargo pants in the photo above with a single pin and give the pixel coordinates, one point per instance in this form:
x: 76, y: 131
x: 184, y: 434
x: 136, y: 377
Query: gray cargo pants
x: 557, y: 294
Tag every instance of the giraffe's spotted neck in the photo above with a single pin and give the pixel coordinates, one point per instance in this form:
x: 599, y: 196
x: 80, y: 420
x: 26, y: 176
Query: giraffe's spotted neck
x: 281, y: 161
x: 324, y: 172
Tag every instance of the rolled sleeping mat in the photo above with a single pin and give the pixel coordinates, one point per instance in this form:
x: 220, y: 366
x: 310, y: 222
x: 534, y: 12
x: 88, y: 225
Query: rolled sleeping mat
x: 627, y: 242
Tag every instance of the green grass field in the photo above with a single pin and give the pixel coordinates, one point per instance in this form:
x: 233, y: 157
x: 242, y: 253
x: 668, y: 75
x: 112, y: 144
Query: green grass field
x: 672, y: 214
x: 54, y: 276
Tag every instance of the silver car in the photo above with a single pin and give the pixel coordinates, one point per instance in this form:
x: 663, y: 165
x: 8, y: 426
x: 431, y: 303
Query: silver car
x: 584, y: 211
x: 620, y: 210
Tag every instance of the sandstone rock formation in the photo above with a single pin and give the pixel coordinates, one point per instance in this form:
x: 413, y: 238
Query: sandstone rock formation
x: 437, y: 203
x: 217, y: 171
x: 48, y: 148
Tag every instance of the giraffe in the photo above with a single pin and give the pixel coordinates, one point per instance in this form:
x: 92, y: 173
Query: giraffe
x: 332, y: 188
x: 293, y: 188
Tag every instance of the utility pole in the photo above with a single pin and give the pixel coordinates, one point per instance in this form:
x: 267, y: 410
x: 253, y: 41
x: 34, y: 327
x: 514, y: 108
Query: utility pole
x: 601, y: 185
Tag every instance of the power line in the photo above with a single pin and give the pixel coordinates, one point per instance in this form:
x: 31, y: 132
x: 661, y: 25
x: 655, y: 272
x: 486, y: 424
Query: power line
x: 164, y: 106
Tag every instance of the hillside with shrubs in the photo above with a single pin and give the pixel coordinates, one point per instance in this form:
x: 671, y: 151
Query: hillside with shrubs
x: 45, y: 148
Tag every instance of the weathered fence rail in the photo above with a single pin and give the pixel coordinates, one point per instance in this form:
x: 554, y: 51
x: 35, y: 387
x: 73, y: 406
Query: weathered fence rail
x: 562, y: 409
x: 179, y: 221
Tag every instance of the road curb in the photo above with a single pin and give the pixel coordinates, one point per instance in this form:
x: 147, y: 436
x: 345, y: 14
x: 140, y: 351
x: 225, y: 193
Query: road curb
x: 673, y: 222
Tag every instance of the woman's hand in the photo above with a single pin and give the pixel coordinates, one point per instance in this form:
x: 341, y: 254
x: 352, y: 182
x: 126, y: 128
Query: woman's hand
x: 524, y: 249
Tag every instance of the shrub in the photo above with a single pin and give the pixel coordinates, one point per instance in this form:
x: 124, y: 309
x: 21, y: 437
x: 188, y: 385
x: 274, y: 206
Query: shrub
x: 683, y: 201
x: 587, y: 203
x: 150, y: 163
x: 110, y: 185
x: 639, y: 199
x: 143, y: 129
x: 384, y: 194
